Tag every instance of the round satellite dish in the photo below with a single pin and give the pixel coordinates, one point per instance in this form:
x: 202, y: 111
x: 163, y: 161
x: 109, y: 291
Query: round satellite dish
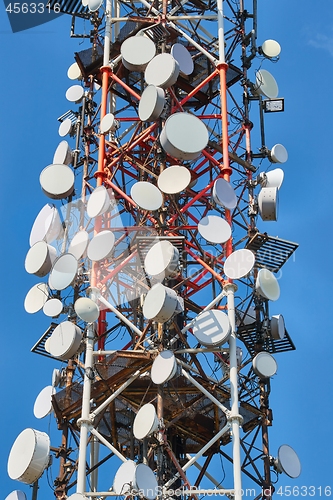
x: 214, y: 229
x: 63, y: 154
x: 224, y: 194
x: 94, y: 5
x: 274, y: 178
x: 108, y: 123
x: 65, y: 127
x: 160, y: 303
x: 99, y: 202
x: 146, y: 195
x: 271, y: 48
x: 174, y: 179
x: 43, y: 403
x: 63, y: 272
x: 146, y: 482
x: 239, y: 264
x: 164, y: 367
x: 264, y: 365
x: 136, y: 52
x: 101, y: 246
x: 36, y: 298
x: 145, y: 422
x: 40, y: 258
x: 183, y: 58
x: 162, y: 71
x: 56, y: 377
x: 47, y: 225
x: 212, y: 328
x: 184, y: 136
x: 267, y: 285
x: 278, y: 330
x: 16, y: 495
x: 65, y: 340
x: 250, y: 316
x: 278, y: 154
x: 52, y: 308
x: 79, y: 243
x: 29, y: 456
x: 162, y: 259
x: 288, y: 461
x: 268, y: 203
x: 124, y: 477
x: 86, y: 309
x: 74, y: 72
x: 266, y: 84
x: 151, y: 103
x: 75, y: 93
x: 57, y: 181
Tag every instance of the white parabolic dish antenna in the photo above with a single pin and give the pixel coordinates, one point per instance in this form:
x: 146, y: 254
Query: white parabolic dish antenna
x: 99, y: 202
x: 63, y: 154
x: 65, y: 340
x: 124, y: 478
x: 146, y: 195
x: 151, y: 103
x: 239, y: 264
x: 101, y: 246
x: 274, y: 178
x: 264, y: 365
x: 16, y: 495
x: 279, y: 154
x: 145, y: 422
x: 29, y: 456
x: 268, y: 203
x: 214, y: 229
x: 271, y: 48
x: 212, y: 328
x: 288, y: 462
x: 183, y: 57
x: 79, y: 243
x: 266, y: 84
x: 86, y: 309
x: 267, y: 285
x: 108, y: 123
x: 65, y: 127
x: 63, y: 272
x: 145, y: 482
x: 278, y: 330
x: 36, y: 298
x: 162, y: 71
x: 136, y: 52
x: 174, y: 179
x: 57, y: 181
x: 75, y: 93
x: 74, y: 72
x: 43, y: 403
x: 40, y: 258
x: 160, y: 303
x: 47, y: 225
x: 162, y: 259
x: 164, y: 367
x: 224, y: 194
x: 184, y: 136
x: 52, y: 308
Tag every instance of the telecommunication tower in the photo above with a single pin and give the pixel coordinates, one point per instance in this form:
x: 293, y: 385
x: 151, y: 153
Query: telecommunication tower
x: 153, y: 263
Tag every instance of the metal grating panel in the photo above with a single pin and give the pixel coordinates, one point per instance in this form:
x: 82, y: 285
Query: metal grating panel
x: 146, y: 242
x: 72, y: 7
x: 39, y: 347
x: 271, y: 253
x: 254, y: 343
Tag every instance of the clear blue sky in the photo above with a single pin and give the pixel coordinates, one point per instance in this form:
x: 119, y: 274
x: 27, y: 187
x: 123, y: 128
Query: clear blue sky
x: 33, y: 84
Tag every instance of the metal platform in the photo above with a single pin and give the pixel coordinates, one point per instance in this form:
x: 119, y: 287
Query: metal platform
x: 271, y: 253
x: 255, y: 341
x: 39, y: 347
